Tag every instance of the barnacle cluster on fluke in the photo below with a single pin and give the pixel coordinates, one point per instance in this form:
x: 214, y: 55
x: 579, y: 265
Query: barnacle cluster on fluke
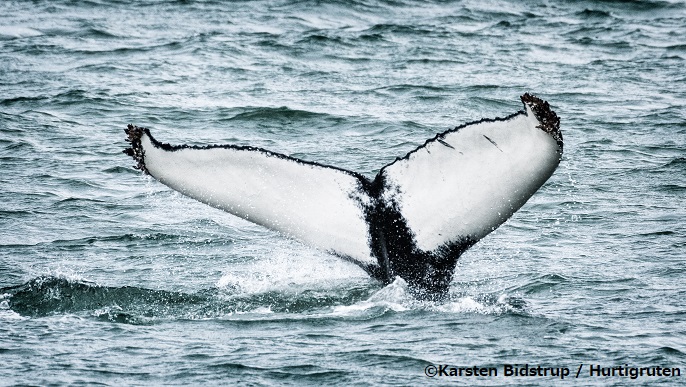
x: 550, y: 122
x: 134, y: 134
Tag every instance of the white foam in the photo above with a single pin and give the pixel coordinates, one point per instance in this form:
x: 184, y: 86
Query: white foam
x: 462, y: 305
x: 395, y: 297
x: 7, y: 314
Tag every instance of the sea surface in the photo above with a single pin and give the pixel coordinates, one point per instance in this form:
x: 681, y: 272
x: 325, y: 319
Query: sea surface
x: 107, y: 277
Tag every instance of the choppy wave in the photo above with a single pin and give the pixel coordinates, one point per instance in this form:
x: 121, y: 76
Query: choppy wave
x: 57, y: 295
x: 17, y: 32
x: 280, y: 115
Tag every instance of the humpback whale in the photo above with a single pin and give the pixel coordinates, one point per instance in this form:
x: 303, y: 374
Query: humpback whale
x: 413, y: 219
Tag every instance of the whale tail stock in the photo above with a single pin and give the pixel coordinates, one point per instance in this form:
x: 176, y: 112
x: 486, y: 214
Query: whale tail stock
x: 413, y: 220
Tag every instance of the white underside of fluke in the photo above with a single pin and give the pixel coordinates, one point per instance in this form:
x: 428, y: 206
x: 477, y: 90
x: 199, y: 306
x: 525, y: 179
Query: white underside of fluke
x: 317, y: 205
x: 472, y: 180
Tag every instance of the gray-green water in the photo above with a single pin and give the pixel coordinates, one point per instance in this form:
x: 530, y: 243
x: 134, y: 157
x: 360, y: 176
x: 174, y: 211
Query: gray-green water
x: 110, y: 278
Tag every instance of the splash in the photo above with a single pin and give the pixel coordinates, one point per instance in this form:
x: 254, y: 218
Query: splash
x: 399, y: 297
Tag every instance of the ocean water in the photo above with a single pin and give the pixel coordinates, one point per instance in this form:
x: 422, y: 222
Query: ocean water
x: 109, y: 278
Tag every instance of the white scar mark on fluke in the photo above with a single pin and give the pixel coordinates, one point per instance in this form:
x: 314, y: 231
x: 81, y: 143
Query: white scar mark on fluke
x: 413, y: 220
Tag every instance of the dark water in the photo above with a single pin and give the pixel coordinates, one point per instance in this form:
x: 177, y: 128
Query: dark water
x: 110, y: 278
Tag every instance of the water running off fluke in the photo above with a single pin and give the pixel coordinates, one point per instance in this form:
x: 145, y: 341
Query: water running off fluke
x: 413, y: 219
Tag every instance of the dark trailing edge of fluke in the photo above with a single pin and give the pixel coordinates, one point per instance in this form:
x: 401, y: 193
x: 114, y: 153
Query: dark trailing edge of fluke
x: 541, y: 109
x: 135, y: 133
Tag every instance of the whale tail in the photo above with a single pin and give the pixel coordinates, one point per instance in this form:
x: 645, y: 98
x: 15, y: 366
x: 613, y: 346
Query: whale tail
x: 413, y: 220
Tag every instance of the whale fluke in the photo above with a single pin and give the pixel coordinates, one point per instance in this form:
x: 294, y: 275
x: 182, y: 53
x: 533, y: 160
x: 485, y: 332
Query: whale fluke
x: 413, y: 220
